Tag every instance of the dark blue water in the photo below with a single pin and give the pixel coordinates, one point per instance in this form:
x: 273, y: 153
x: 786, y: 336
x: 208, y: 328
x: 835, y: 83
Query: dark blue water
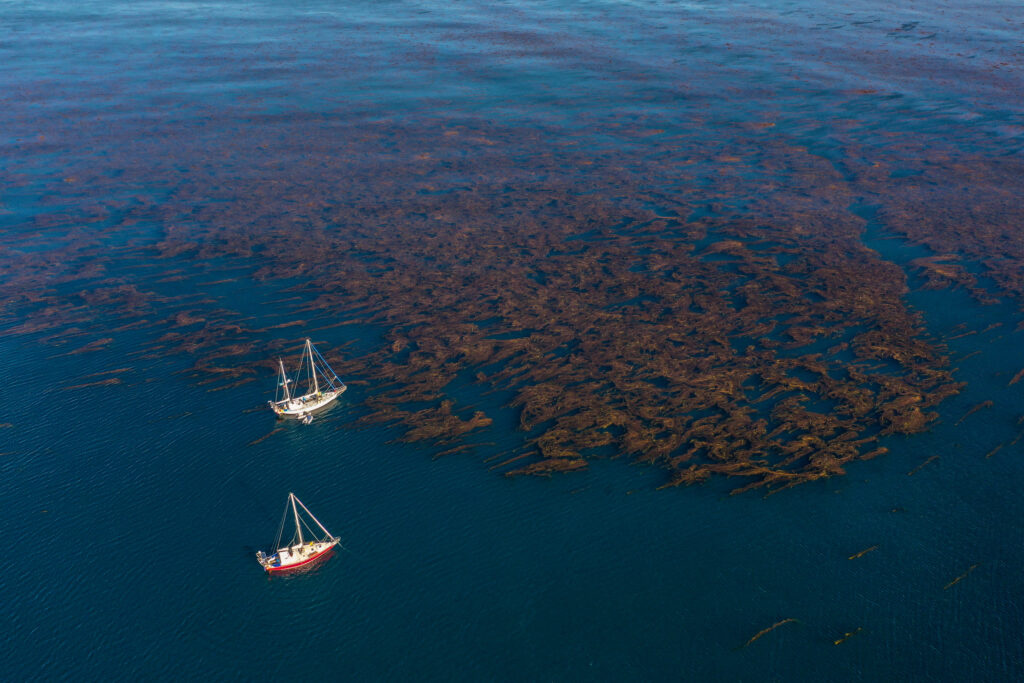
x: 131, y: 511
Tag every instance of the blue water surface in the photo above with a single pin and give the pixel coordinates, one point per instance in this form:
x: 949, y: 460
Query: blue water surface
x: 132, y: 511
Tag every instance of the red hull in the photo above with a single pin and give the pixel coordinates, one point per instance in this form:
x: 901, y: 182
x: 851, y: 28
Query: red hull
x: 322, y: 554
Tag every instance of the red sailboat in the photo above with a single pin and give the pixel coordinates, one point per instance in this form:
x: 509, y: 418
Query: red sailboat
x: 302, y: 550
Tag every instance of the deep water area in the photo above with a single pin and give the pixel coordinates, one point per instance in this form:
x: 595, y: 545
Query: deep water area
x: 683, y: 340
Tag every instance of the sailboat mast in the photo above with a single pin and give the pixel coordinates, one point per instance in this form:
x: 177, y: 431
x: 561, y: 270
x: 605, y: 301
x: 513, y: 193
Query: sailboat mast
x: 298, y: 522
x: 284, y: 381
x: 312, y: 366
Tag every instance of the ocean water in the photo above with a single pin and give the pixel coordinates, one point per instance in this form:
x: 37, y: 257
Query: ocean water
x: 132, y: 510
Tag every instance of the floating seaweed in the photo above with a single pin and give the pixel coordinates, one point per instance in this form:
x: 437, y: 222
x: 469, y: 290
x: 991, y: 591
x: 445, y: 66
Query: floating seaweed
x: 266, y: 436
x: 862, y: 553
x: 960, y: 578
x: 973, y: 409
x: 918, y: 468
x: 95, y: 345
x: 846, y: 636
x: 460, y: 449
x: 765, y: 344
x: 993, y: 451
x: 100, y: 383
x: 116, y: 371
x: 766, y: 631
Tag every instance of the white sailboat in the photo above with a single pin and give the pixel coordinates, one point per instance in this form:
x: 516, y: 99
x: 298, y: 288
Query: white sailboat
x: 322, y: 386
x: 302, y: 550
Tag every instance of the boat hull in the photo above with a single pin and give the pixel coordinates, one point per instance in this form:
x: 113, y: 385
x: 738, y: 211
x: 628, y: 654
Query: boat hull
x: 287, y: 559
x: 304, y: 405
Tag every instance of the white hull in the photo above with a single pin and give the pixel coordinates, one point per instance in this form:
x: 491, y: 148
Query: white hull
x: 301, y: 406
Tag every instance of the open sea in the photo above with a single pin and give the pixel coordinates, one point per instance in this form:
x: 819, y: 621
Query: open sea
x: 135, y: 494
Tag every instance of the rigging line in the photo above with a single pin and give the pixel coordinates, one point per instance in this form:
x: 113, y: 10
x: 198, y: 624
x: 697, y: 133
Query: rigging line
x: 280, y: 529
x: 313, y: 517
x: 326, y: 365
x: 312, y: 532
x: 353, y: 554
x: 299, y: 368
x: 298, y: 371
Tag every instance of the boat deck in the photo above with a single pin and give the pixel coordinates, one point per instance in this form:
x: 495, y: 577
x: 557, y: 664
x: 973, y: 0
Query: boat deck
x: 302, y: 405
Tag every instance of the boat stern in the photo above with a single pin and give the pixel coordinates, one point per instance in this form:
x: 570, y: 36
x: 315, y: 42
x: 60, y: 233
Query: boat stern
x: 265, y: 561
